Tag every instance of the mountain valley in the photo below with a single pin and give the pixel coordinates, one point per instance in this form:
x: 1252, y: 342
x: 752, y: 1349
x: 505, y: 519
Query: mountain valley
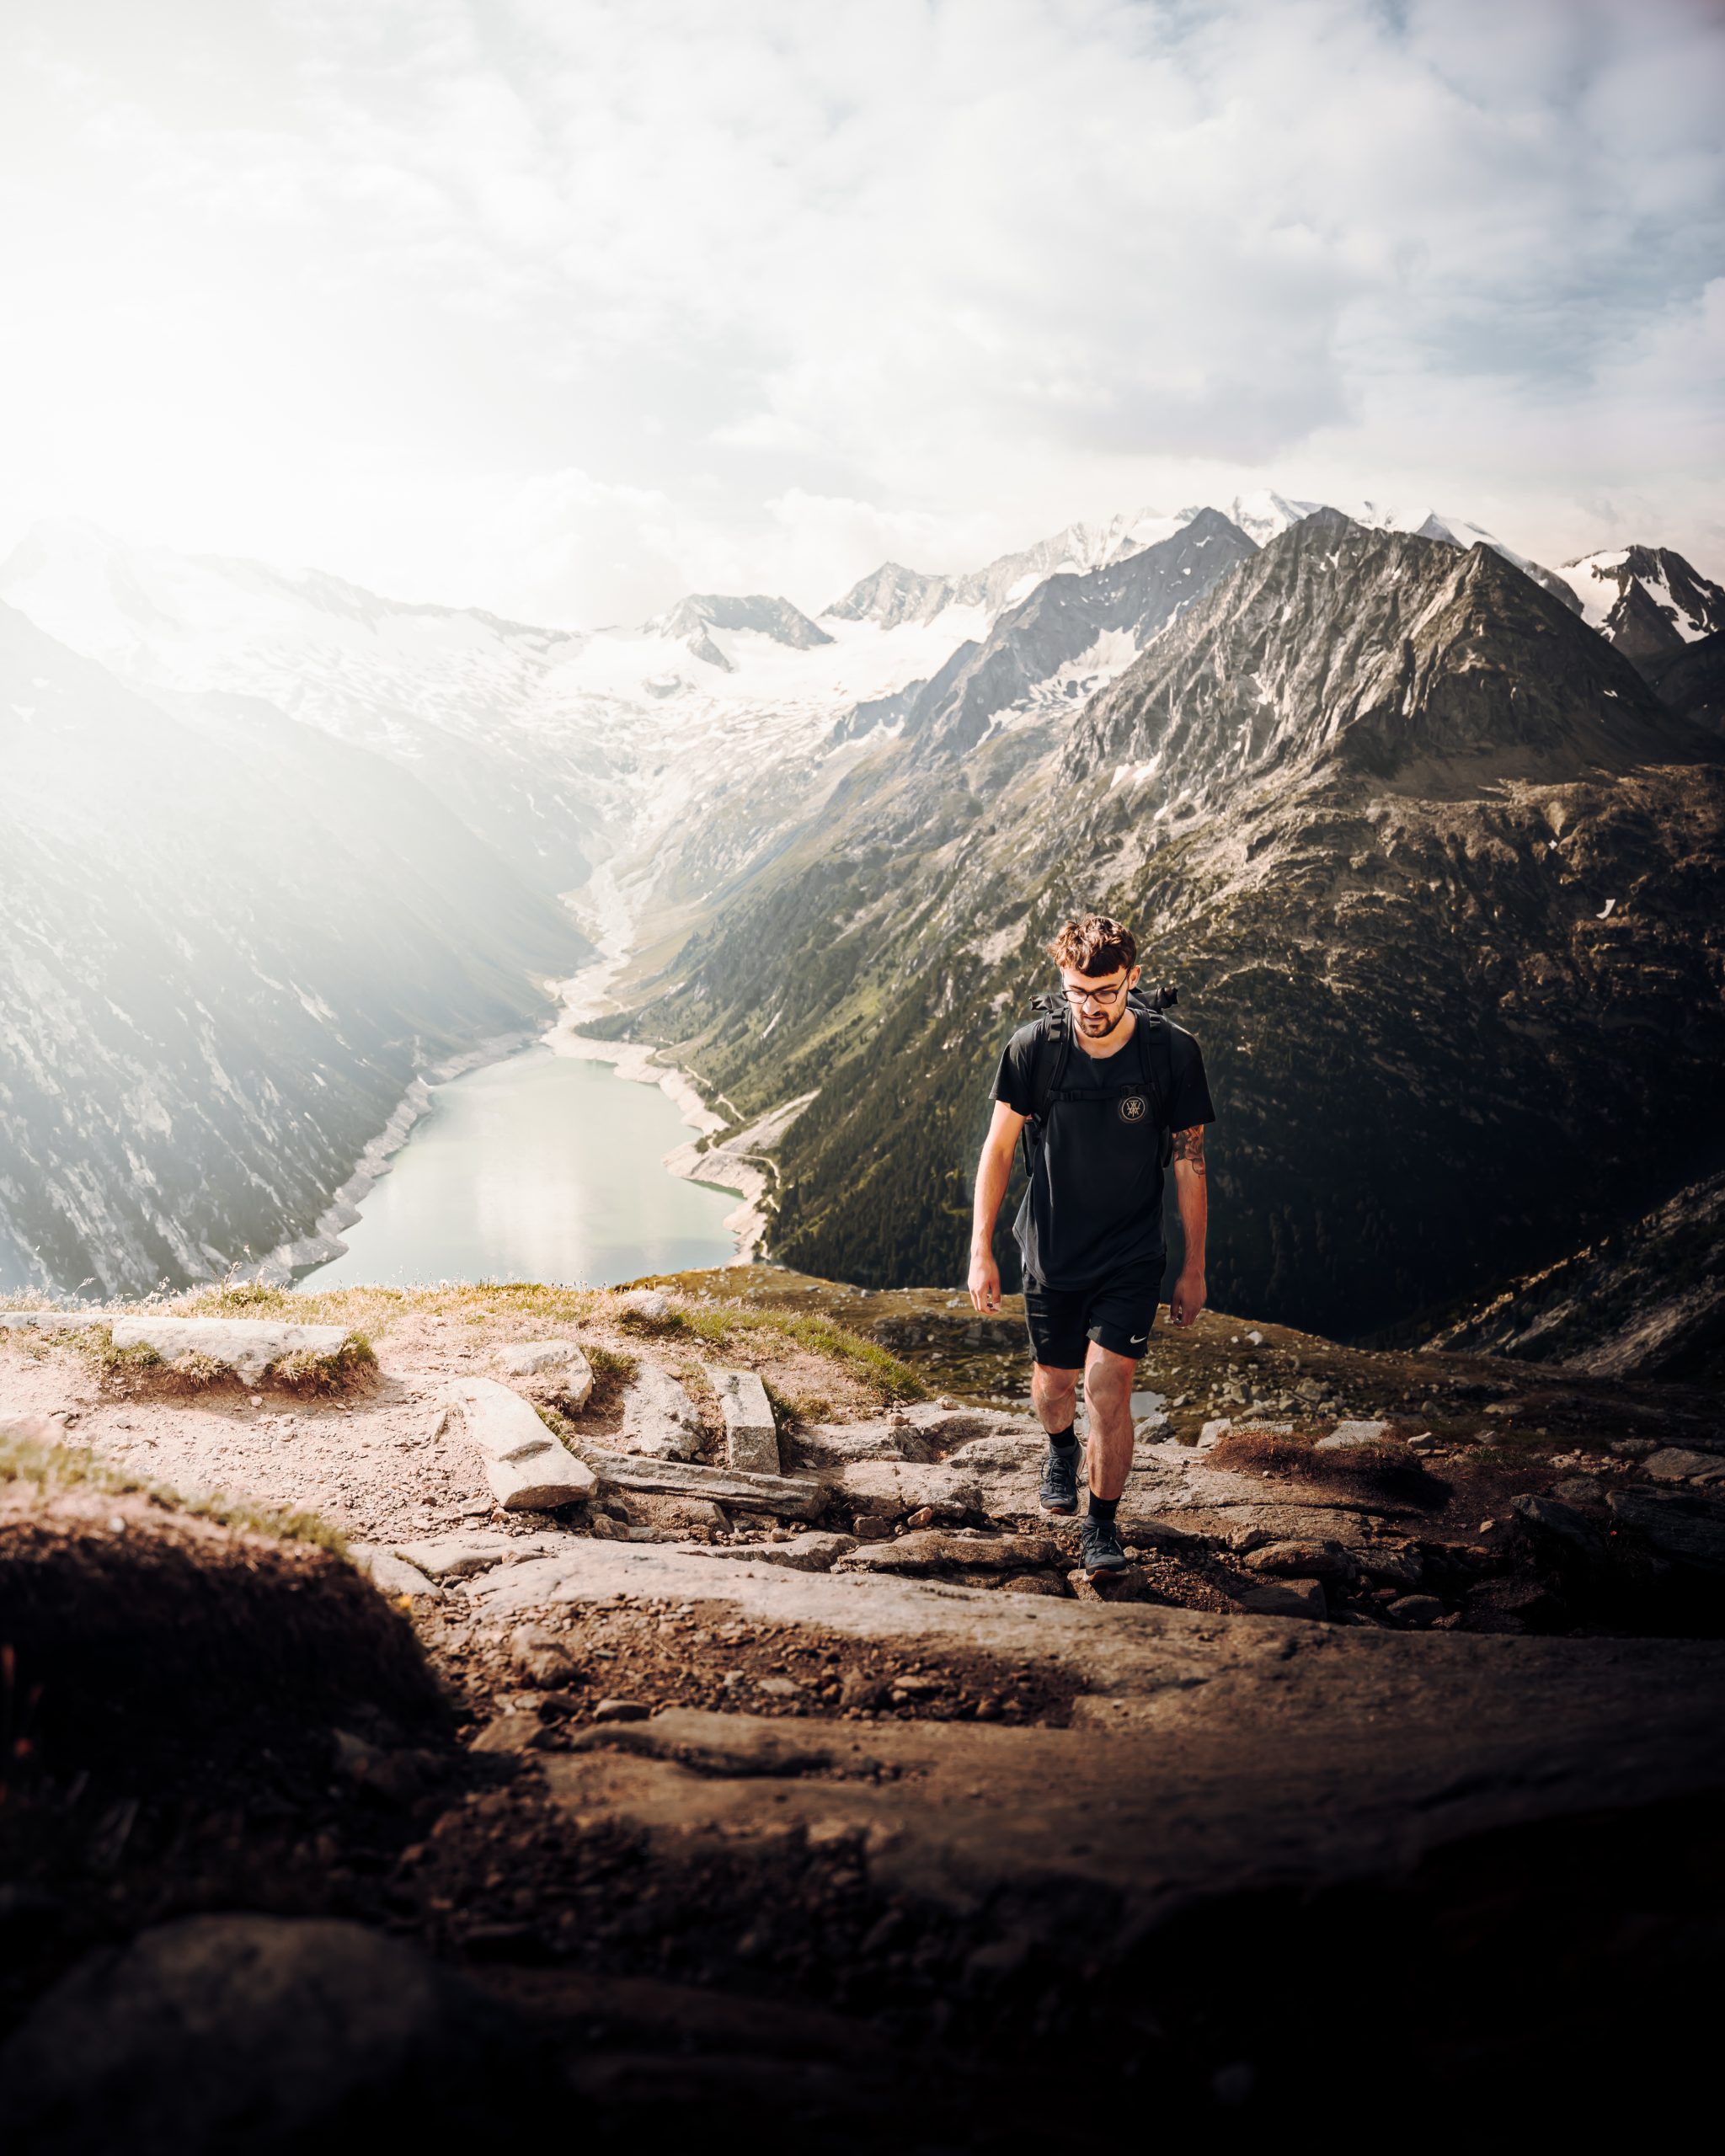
x: 1415, y: 825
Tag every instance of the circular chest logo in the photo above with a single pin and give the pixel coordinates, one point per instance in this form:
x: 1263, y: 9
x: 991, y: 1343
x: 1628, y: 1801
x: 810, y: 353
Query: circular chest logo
x: 1134, y: 1107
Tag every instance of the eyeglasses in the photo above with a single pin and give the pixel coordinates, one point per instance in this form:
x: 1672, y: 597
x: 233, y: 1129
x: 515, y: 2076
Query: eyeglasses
x: 1103, y: 997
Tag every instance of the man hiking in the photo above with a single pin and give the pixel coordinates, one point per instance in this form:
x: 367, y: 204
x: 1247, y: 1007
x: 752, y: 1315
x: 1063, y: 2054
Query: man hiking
x: 1101, y: 1083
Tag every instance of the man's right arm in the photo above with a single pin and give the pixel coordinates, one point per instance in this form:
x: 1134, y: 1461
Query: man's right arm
x: 993, y: 1172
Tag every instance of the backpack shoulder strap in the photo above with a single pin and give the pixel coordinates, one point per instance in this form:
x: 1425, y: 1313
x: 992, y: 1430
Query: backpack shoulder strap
x: 1156, y: 1056
x: 1053, y: 1053
x: 1053, y: 1046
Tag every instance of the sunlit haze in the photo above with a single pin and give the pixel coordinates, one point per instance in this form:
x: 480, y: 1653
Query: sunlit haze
x: 567, y: 309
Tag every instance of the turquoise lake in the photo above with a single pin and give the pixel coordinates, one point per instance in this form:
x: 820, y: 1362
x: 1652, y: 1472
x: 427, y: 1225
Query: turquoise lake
x: 540, y: 1168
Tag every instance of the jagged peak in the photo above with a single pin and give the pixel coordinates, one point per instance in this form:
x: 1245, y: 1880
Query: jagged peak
x: 768, y: 615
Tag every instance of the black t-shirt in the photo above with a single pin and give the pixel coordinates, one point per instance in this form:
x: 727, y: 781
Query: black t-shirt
x: 1094, y: 1204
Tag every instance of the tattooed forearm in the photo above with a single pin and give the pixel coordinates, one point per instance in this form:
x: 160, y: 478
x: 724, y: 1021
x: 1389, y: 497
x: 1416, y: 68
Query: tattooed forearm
x: 1189, y: 1146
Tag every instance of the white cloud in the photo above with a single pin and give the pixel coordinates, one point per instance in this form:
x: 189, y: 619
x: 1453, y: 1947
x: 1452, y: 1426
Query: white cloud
x: 569, y: 306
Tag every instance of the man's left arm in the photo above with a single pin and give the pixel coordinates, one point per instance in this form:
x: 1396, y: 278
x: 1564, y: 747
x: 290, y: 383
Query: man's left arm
x: 1192, y: 1195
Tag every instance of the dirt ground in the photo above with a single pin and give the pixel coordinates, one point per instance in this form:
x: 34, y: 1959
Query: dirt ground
x: 856, y: 1854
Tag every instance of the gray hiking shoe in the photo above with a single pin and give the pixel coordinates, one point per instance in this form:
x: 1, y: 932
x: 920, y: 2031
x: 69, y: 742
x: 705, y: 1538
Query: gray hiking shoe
x: 1060, y: 1480
x: 1099, y: 1547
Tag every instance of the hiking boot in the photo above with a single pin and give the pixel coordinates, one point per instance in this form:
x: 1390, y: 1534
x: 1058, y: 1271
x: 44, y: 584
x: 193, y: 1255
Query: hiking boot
x: 1060, y: 1480
x: 1099, y: 1547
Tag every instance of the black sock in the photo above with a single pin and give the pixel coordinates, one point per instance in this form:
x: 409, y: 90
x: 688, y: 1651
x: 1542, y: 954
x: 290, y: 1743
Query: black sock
x: 1063, y: 1440
x: 1103, y: 1508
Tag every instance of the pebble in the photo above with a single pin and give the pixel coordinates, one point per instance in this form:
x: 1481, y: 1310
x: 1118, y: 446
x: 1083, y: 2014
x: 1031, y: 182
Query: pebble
x: 622, y: 1711
x: 1416, y: 1609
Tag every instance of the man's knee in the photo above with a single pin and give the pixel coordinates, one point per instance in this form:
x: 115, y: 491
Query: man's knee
x: 1109, y: 1376
x: 1052, y: 1379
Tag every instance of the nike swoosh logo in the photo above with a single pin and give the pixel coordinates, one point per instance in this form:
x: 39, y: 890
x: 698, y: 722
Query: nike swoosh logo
x: 1138, y: 1337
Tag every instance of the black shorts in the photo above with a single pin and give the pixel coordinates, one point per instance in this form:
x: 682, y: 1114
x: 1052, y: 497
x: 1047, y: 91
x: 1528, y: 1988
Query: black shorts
x: 1117, y: 1313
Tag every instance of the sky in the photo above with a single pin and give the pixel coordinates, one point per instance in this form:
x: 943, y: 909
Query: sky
x: 565, y: 307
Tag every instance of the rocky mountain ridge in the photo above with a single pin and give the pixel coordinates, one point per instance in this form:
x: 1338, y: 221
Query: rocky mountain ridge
x: 1425, y: 855
x: 916, y: 719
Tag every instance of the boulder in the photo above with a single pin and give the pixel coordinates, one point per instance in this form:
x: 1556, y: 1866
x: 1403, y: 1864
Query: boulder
x: 392, y: 1575
x: 934, y: 1552
x: 560, y: 1363
x: 1512, y: 1606
x: 249, y: 1347
x: 659, y: 1421
x: 889, y: 1489
x: 1285, y: 1599
x: 1558, y: 1531
x: 675, y: 1515
x: 751, y: 1434
x: 527, y: 1470
x: 1683, y: 1532
x: 1304, y: 1560
x: 541, y: 1659
x: 1390, y: 1567
x: 1129, y: 1584
x: 269, y: 2034
x: 652, y: 1304
x: 1347, y: 1435
x: 50, y: 1320
x: 1672, y: 1464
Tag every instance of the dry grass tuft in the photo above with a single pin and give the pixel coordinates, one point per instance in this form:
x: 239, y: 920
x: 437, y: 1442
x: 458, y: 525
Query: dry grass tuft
x: 55, y: 1469
x: 352, y: 1368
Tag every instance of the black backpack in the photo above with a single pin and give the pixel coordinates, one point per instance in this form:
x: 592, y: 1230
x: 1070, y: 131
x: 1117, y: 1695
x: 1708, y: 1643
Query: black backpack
x: 1156, y: 1058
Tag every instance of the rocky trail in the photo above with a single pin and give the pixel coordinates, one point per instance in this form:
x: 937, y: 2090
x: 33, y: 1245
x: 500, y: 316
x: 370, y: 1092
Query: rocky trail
x: 725, y: 1731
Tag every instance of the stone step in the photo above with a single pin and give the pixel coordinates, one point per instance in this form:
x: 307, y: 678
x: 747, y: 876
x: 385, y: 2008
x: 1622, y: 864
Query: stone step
x: 792, y: 1497
x: 751, y: 1434
x: 527, y: 1470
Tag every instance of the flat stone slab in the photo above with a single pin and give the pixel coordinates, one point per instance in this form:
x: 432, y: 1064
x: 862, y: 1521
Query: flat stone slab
x: 659, y: 1421
x: 751, y: 1434
x: 1347, y: 1435
x: 50, y: 1320
x: 461, y: 1556
x: 836, y: 1444
x: 1012, y: 1453
x: 812, y: 1552
x: 934, y: 1552
x: 392, y: 1575
x: 888, y: 1489
x: 249, y: 1347
x: 789, y: 1496
x: 527, y: 1470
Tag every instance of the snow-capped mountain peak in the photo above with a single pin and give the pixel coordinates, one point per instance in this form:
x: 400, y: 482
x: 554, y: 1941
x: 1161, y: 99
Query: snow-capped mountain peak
x: 692, y: 621
x: 1648, y: 600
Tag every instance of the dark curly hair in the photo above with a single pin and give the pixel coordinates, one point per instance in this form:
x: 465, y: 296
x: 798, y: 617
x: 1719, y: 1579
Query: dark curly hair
x: 1097, y: 944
